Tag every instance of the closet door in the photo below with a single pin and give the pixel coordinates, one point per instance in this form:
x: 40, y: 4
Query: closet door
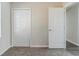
x: 56, y: 28
x: 21, y: 27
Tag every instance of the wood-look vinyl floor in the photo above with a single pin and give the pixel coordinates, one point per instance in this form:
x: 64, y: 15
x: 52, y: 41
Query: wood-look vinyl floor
x: 71, y: 50
x: 23, y: 51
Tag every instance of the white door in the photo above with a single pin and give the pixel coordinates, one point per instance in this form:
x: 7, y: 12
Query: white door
x: 56, y: 28
x: 21, y: 27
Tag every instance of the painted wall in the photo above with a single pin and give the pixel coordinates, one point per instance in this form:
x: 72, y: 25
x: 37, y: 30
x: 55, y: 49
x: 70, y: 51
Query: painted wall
x: 0, y: 28
x: 5, y: 27
x: 78, y: 26
x: 72, y: 24
x: 0, y: 20
x: 39, y: 21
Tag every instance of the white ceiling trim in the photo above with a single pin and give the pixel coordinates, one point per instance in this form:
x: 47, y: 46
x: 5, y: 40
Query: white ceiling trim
x: 69, y: 4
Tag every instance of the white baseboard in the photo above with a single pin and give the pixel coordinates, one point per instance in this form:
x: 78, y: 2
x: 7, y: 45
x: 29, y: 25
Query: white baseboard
x: 5, y: 50
x: 73, y: 43
x: 39, y: 46
x: 33, y: 46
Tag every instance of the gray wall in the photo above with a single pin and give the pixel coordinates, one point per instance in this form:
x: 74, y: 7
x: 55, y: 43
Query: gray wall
x: 0, y: 28
x: 5, y: 27
x: 72, y: 24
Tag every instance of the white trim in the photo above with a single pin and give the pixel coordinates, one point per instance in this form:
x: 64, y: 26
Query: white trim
x: 20, y: 46
x: 39, y: 46
x: 73, y: 42
x: 69, y: 4
x: 65, y: 26
x: 5, y: 50
x: 22, y: 8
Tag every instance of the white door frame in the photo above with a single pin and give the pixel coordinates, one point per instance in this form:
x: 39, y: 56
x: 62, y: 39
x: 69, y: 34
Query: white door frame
x: 65, y: 26
x: 12, y: 24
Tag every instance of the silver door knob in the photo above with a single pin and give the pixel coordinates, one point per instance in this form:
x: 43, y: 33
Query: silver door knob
x: 49, y: 29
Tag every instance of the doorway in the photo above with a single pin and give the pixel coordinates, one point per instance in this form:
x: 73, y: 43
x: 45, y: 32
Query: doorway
x: 72, y: 27
x: 21, y: 27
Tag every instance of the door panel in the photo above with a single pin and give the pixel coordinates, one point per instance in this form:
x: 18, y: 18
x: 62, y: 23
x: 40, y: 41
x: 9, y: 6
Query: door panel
x: 51, y: 27
x: 56, y: 35
x: 22, y: 27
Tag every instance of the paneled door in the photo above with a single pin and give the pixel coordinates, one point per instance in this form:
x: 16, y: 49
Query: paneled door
x: 56, y: 28
x: 21, y: 27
